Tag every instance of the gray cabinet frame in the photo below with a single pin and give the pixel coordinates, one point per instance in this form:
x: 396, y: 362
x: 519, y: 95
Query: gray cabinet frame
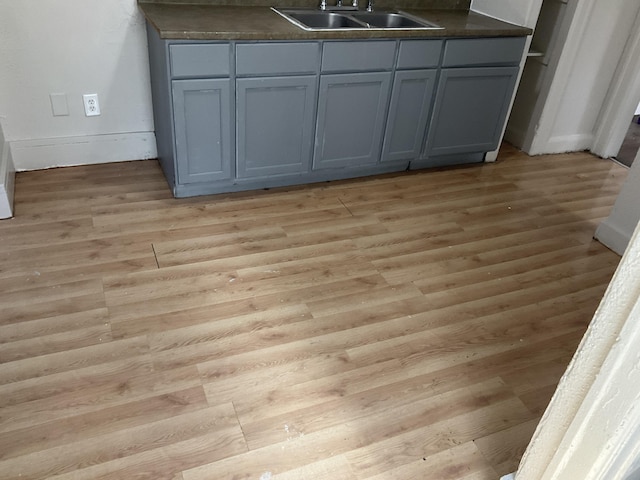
x: 470, y: 108
x: 275, y: 125
x: 409, y: 110
x: 202, y: 118
x: 352, y: 111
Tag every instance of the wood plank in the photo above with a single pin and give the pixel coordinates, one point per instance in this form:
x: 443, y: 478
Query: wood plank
x: 227, y: 292
x: 505, y: 448
x: 52, y: 363
x: 372, y: 409
x: 460, y: 462
x: 14, y: 443
x: 123, y: 383
x: 334, y: 468
x: 65, y: 458
x: 300, y: 445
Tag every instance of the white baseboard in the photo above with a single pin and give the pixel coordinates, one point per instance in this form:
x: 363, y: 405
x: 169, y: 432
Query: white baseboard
x: 612, y: 237
x: 7, y: 179
x: 511, y: 476
x: 564, y: 143
x: 37, y: 154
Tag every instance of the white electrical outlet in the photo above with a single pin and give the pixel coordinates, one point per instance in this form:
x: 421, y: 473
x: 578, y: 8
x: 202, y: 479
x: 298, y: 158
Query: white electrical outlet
x: 91, y: 104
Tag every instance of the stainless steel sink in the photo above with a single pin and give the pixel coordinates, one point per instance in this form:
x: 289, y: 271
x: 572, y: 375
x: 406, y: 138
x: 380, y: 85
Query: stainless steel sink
x: 317, y: 20
x: 392, y: 20
x: 309, y: 19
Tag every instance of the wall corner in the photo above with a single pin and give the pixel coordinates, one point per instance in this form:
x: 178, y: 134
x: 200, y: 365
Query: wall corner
x: 7, y: 178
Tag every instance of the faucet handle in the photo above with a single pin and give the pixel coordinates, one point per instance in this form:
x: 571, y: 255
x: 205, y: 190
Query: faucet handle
x: 370, y: 6
x: 354, y: 3
x: 323, y: 4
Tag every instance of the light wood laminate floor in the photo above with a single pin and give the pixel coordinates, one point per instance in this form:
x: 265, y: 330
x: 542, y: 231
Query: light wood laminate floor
x: 408, y: 326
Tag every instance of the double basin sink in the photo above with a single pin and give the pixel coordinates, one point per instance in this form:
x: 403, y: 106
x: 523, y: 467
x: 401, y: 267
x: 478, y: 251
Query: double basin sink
x: 309, y: 19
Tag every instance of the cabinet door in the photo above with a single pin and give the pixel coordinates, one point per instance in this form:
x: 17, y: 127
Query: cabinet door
x: 408, y: 114
x: 352, y: 110
x: 202, y: 114
x: 275, y: 125
x: 470, y: 109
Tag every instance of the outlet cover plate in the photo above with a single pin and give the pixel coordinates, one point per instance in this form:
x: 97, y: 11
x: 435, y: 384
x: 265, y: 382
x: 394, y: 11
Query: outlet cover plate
x: 91, y: 104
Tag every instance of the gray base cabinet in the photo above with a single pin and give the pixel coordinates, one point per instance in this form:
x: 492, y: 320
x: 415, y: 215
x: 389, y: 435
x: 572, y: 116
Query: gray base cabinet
x: 202, y: 119
x: 243, y: 115
x: 470, y: 109
x: 408, y: 114
x: 351, y: 118
x: 275, y: 122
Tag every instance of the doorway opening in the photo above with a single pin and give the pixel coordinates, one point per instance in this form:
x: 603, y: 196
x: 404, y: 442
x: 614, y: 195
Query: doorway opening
x: 631, y: 142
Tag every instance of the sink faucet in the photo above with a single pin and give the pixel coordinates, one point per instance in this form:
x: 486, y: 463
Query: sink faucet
x: 339, y: 6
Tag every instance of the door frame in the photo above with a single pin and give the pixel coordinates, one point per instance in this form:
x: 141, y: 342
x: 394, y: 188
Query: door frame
x: 622, y: 100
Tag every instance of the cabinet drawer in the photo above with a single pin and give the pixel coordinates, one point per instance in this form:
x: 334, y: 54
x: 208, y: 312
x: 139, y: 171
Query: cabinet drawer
x: 204, y: 60
x: 419, y: 53
x: 277, y: 58
x: 362, y: 56
x: 483, y: 51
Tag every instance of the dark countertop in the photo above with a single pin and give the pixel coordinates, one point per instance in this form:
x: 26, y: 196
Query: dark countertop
x: 215, y: 22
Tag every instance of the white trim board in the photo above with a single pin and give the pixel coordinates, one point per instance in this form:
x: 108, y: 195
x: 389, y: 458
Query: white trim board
x: 612, y: 236
x: 44, y: 153
x: 7, y: 179
x: 569, y: 143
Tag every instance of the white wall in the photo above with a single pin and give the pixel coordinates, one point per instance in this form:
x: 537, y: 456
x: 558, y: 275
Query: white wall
x: 74, y: 47
x: 7, y: 179
x: 520, y: 12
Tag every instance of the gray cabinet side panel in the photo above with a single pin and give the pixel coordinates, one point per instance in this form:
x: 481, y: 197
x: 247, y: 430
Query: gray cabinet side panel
x: 162, y: 108
x: 409, y: 110
x: 352, y: 112
x: 203, y: 129
x: 275, y: 118
x: 470, y: 109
